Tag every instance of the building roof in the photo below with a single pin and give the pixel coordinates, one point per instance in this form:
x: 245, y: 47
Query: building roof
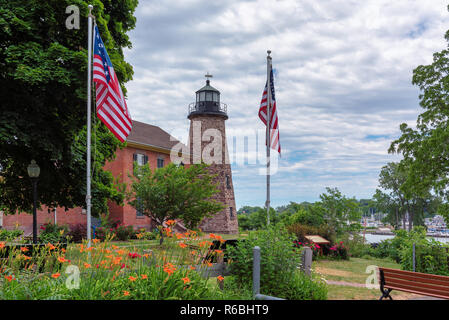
x: 150, y: 136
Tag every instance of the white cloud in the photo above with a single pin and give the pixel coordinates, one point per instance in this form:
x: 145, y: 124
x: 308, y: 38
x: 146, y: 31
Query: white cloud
x: 343, y: 82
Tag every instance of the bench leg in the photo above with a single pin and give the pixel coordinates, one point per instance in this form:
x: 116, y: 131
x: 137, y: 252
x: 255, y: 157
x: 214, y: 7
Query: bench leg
x: 385, y: 294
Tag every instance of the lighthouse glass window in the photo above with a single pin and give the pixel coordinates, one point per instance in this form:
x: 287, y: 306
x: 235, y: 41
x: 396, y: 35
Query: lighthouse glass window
x: 208, y: 96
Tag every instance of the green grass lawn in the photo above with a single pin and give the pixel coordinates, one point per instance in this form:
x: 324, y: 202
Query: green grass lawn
x: 354, y: 271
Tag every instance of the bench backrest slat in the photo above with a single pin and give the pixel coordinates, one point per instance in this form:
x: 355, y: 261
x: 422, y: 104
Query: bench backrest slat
x: 416, y: 278
x: 427, y: 288
x: 416, y: 282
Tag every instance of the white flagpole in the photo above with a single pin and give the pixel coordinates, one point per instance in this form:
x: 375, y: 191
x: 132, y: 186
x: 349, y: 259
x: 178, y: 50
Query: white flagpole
x: 89, y: 82
x: 268, y: 133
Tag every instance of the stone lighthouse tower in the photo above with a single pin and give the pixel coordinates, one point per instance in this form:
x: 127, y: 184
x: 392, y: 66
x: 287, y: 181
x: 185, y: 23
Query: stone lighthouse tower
x: 207, y: 143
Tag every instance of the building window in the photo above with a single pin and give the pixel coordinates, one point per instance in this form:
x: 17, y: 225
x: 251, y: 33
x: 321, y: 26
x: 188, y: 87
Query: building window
x: 231, y: 212
x: 228, y: 182
x: 140, y: 158
x: 160, y: 162
x: 139, y: 210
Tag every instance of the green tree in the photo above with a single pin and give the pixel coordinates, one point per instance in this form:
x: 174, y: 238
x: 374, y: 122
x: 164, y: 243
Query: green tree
x: 426, y: 148
x: 43, y: 75
x: 174, y: 192
x: 341, y: 213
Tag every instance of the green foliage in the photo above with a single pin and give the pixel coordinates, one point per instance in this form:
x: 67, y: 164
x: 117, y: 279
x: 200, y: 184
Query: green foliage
x: 10, y: 235
x: 124, y: 233
x: 174, y: 192
x: 279, y: 262
x: 424, y: 149
x: 44, y: 67
x: 339, y: 210
x: 355, y: 245
x: 312, y: 216
x: 339, y: 251
x: 430, y: 255
x: 143, y: 234
x: 256, y: 219
x: 303, y: 287
x: 300, y: 231
x: 53, y: 233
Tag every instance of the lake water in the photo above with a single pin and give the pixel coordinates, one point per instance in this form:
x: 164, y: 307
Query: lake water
x: 376, y: 238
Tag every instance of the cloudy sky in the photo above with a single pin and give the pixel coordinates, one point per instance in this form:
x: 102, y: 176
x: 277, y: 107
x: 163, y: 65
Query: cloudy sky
x: 343, y: 73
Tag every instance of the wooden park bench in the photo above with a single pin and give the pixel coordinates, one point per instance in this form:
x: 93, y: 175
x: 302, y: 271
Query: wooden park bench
x: 413, y: 282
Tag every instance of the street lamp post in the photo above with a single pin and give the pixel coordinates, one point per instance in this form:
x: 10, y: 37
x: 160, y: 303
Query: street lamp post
x: 33, y: 173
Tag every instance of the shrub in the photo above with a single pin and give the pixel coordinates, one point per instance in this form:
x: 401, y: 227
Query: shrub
x: 279, y: 263
x: 143, y: 234
x: 430, y: 255
x: 301, y: 230
x: 124, y: 233
x: 339, y: 251
x: 53, y: 233
x: 303, y: 287
x: 102, y: 233
x: 78, y: 232
x: 355, y: 246
x: 10, y: 235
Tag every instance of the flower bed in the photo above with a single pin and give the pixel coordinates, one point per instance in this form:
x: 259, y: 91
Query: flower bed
x: 108, y: 271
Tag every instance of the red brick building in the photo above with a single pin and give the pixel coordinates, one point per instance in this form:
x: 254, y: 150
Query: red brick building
x: 146, y: 144
x: 151, y: 145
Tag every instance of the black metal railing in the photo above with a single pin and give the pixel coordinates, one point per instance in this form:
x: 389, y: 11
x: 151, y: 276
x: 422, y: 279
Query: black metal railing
x: 208, y: 106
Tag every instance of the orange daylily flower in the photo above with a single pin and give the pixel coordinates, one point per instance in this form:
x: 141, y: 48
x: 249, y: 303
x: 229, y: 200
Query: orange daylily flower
x: 2, y: 245
x: 96, y: 240
x: 182, y: 245
x: 144, y: 276
x: 9, y: 278
x: 170, y: 222
x: 50, y: 246
x: 186, y: 280
x: 126, y: 293
x: 62, y: 259
x: 132, y: 279
x: 86, y: 265
x: 218, y: 251
x: 55, y: 275
x: 24, y: 249
x: 220, y: 278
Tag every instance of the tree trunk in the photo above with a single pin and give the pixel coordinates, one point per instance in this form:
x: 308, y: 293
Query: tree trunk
x: 397, y: 217
x: 403, y: 221
x: 162, y: 236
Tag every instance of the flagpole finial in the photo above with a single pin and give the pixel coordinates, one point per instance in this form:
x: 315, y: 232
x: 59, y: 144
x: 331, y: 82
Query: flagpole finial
x: 90, y: 7
x: 269, y: 52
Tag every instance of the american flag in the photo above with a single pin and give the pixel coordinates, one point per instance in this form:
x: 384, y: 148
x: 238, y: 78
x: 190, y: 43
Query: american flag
x: 111, y: 104
x: 274, y: 132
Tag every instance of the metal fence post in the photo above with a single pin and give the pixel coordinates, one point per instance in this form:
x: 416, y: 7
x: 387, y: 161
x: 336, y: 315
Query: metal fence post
x: 414, y: 256
x: 256, y: 271
x: 307, y: 260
